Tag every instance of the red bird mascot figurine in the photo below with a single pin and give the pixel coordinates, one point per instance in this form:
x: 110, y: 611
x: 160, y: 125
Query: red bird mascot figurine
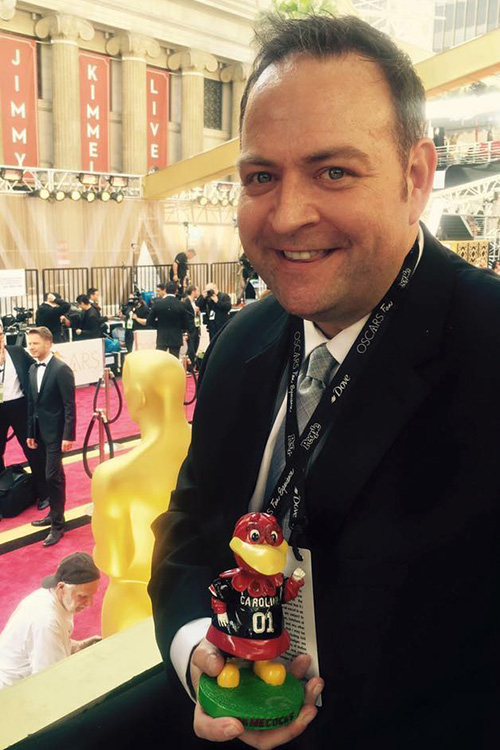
x: 247, y: 601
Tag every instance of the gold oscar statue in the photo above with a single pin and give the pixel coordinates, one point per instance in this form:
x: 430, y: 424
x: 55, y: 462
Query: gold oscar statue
x: 131, y: 490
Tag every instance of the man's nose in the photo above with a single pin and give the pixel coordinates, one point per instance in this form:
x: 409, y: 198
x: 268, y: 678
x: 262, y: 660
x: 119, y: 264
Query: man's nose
x: 294, y: 207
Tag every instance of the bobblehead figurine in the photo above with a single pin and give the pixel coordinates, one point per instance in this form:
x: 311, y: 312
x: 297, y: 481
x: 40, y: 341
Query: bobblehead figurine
x: 247, y: 623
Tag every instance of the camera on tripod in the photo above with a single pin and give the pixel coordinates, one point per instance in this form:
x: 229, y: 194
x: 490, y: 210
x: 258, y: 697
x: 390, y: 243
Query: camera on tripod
x: 23, y: 314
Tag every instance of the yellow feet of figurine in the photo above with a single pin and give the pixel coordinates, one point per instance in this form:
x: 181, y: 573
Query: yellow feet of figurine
x: 229, y: 677
x: 271, y: 672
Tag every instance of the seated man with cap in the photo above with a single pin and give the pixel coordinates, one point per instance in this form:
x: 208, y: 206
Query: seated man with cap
x: 38, y: 633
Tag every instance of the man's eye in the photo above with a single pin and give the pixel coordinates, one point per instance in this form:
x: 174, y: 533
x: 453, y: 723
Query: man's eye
x: 262, y: 178
x: 335, y: 173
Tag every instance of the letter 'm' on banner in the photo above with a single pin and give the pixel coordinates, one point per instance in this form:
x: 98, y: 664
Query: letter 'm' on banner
x: 158, y: 116
x: 94, y: 112
x: 18, y: 94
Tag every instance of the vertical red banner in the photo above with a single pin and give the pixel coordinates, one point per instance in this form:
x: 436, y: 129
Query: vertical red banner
x: 157, y: 106
x: 18, y: 97
x: 94, y: 107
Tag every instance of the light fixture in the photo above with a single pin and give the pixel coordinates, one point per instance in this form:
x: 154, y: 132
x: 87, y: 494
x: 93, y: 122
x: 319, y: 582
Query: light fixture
x: 203, y: 200
x: 89, y: 196
x: 43, y: 193
x: 214, y: 200
x: 224, y: 202
x: 75, y: 195
x: 104, y: 195
x: 234, y: 201
x: 11, y: 175
x: 117, y: 196
x: 88, y: 179
x: 117, y: 180
x: 59, y: 195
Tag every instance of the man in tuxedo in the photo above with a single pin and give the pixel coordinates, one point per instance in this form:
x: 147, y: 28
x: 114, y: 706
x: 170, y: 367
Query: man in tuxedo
x: 89, y: 326
x: 216, y: 305
x: 51, y: 423
x: 51, y: 314
x: 180, y: 268
x: 193, y: 318
x: 387, y: 344
x: 15, y: 363
x: 169, y: 316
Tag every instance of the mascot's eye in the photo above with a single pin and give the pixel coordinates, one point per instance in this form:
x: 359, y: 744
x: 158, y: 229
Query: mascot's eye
x: 254, y: 535
x: 274, y: 536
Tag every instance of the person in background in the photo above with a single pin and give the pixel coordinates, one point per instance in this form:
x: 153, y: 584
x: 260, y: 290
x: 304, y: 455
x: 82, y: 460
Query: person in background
x: 194, y: 323
x: 216, y: 306
x: 93, y: 295
x: 51, y: 313
x: 89, y: 326
x: 38, y: 633
x: 51, y: 423
x: 169, y: 316
x: 496, y: 267
x: 15, y: 363
x: 180, y: 268
x: 135, y: 312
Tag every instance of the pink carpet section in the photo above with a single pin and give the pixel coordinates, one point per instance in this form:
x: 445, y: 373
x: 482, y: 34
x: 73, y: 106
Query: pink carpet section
x: 21, y: 572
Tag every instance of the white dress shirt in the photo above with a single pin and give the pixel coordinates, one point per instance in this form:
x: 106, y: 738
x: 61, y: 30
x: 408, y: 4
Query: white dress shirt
x: 40, y: 371
x: 193, y: 632
x: 37, y: 635
x: 11, y: 385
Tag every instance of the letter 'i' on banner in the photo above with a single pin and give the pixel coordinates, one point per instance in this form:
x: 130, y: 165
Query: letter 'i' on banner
x: 158, y: 117
x: 18, y: 99
x: 94, y: 108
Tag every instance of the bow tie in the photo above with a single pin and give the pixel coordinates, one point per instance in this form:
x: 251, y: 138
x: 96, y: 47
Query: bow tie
x: 40, y: 364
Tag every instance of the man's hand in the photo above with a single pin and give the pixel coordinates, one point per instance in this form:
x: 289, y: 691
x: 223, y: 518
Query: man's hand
x: 31, y: 443
x: 78, y: 331
x: 208, y: 659
x: 66, y: 445
x: 176, y: 278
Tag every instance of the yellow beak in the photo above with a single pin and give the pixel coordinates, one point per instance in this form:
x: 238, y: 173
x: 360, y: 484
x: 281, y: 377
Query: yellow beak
x: 261, y: 557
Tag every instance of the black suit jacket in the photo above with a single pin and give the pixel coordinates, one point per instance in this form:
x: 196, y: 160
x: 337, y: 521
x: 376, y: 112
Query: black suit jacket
x: 49, y: 316
x: 89, y: 324
x: 169, y: 316
x: 22, y: 363
x: 403, y: 505
x: 52, y: 412
x: 191, y: 328
x: 216, y: 313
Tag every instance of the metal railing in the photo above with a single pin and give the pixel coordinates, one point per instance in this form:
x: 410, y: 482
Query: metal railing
x: 227, y: 276
x: 30, y: 300
x: 68, y: 282
x: 468, y: 153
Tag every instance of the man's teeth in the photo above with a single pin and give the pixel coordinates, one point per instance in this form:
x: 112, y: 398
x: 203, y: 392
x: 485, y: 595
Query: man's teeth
x: 305, y: 254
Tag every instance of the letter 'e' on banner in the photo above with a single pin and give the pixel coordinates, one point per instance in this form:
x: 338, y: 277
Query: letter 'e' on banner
x: 158, y: 115
x: 94, y: 108
x: 18, y: 99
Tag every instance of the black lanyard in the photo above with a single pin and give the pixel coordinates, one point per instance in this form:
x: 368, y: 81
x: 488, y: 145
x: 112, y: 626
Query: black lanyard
x: 289, y: 491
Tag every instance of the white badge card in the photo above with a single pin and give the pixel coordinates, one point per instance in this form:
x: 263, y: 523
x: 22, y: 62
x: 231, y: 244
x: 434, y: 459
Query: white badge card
x: 299, y: 615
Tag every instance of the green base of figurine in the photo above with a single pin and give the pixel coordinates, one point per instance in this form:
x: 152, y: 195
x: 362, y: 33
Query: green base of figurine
x: 256, y: 704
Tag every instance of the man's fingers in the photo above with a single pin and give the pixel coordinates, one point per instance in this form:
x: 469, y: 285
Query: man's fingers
x: 215, y: 730
x: 300, y: 665
x: 267, y: 740
x: 208, y: 659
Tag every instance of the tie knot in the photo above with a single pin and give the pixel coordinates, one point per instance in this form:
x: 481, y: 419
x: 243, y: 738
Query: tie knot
x: 320, y: 364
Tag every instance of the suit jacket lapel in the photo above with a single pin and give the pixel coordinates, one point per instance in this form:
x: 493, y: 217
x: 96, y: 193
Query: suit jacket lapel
x: 33, y: 382
x: 397, y: 379
x: 47, y: 375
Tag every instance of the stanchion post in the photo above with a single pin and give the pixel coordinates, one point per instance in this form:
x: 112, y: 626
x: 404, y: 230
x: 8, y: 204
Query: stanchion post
x: 102, y: 436
x: 106, y: 378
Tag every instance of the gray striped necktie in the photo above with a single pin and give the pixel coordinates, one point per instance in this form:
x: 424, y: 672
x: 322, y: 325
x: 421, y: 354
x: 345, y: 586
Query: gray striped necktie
x: 313, y: 378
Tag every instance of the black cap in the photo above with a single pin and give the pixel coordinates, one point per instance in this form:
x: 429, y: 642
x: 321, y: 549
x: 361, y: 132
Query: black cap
x: 76, y: 568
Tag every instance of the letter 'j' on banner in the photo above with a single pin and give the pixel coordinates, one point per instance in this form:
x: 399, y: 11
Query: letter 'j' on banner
x: 18, y: 99
x: 94, y: 107
x: 157, y: 83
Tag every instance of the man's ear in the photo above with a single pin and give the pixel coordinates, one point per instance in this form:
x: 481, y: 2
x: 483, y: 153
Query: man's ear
x: 420, y: 176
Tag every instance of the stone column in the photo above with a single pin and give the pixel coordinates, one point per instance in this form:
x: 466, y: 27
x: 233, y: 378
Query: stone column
x: 64, y: 32
x: 237, y: 75
x: 192, y: 64
x: 133, y: 49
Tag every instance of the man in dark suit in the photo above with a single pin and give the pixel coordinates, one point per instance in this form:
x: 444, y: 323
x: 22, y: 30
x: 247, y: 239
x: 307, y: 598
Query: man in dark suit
x: 15, y: 363
x: 169, y: 316
x: 50, y: 314
x: 51, y: 423
x: 398, y: 504
x: 216, y: 305
x: 90, y: 325
x: 193, y: 317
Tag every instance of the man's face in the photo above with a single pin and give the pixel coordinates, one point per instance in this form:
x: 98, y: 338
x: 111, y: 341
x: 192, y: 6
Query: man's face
x: 77, y: 598
x: 95, y: 297
x: 327, y: 212
x: 161, y: 292
x: 38, y: 347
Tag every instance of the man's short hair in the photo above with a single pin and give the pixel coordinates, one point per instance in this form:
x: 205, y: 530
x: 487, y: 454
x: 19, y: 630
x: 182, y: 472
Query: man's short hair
x: 323, y: 36
x: 191, y: 289
x: 161, y: 286
x: 191, y: 250
x: 92, y: 290
x: 172, y: 287
x: 83, y: 298
x: 41, y: 331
